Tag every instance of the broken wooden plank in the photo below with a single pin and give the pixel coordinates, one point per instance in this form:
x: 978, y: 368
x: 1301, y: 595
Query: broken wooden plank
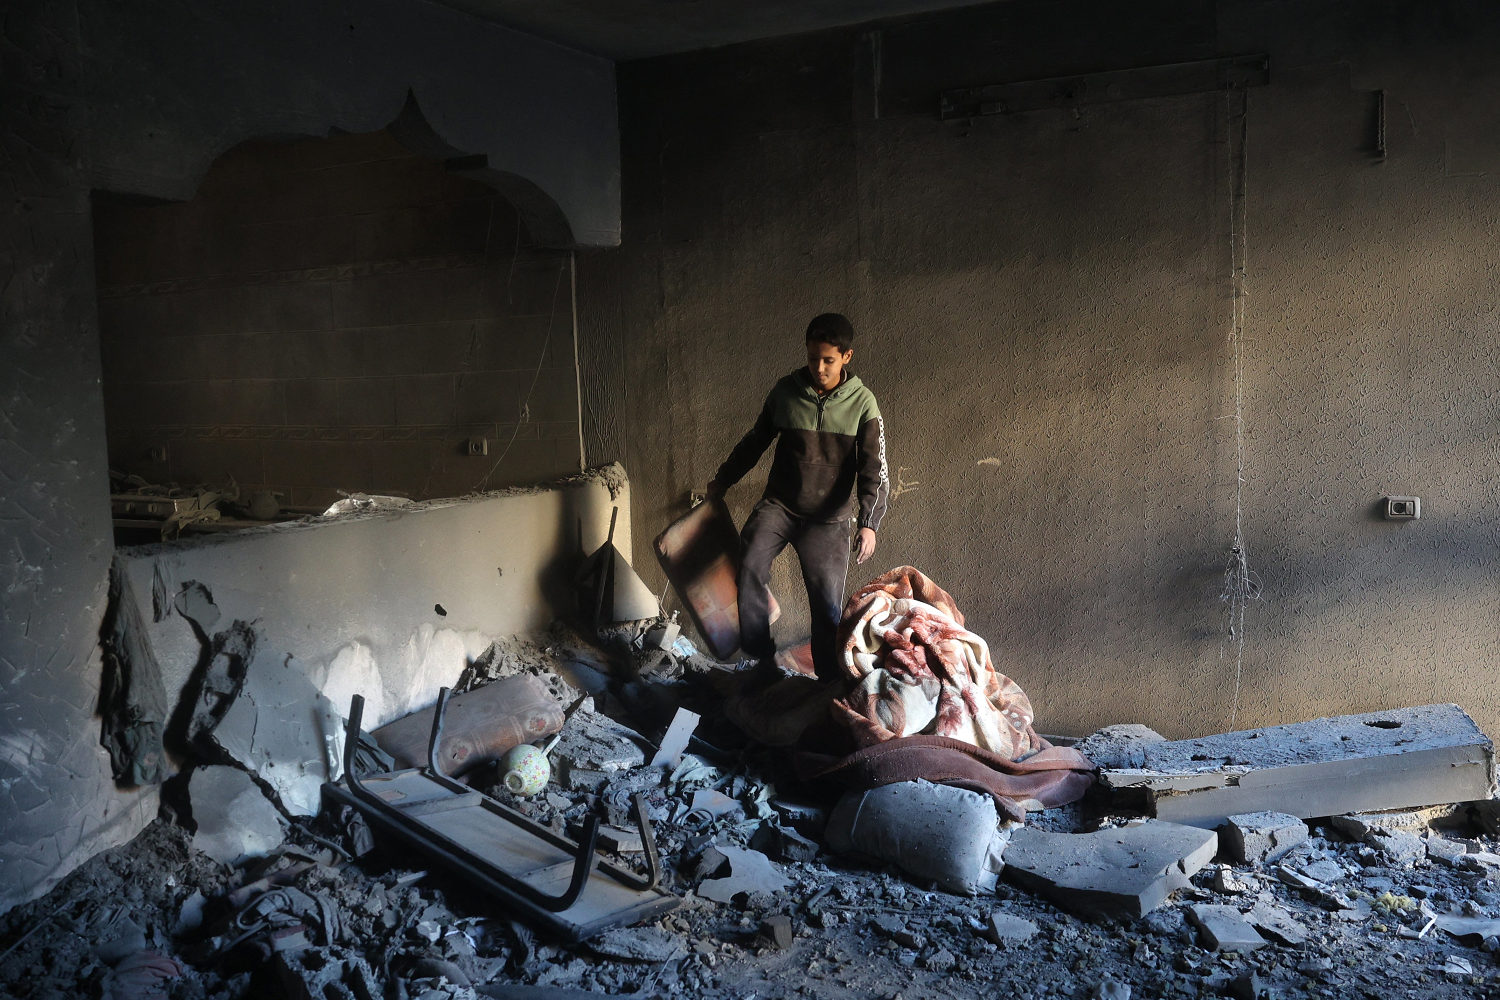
x: 1399, y: 759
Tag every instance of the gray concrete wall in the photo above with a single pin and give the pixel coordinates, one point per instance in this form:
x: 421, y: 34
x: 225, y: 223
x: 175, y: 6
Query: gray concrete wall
x: 335, y: 314
x: 140, y: 99
x: 1078, y: 439
x: 390, y: 605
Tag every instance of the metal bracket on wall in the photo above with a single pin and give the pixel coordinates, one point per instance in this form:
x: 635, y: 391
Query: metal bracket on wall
x: 1203, y: 76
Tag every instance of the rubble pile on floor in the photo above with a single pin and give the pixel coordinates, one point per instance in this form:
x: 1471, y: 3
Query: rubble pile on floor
x: 1191, y: 870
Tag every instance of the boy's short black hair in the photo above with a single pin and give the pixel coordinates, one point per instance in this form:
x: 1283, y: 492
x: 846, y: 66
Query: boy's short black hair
x: 832, y: 328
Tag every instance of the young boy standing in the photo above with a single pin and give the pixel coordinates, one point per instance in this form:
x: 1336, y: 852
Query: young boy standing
x: 830, y: 446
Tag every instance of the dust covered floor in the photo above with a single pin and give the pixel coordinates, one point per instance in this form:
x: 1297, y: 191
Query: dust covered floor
x: 156, y: 918
x: 854, y: 932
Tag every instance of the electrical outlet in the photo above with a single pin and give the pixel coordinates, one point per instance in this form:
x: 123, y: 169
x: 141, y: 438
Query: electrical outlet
x: 479, y: 446
x: 1403, y: 508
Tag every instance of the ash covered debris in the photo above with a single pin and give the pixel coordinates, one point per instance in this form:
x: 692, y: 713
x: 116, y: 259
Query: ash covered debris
x: 1337, y: 915
x: 788, y: 871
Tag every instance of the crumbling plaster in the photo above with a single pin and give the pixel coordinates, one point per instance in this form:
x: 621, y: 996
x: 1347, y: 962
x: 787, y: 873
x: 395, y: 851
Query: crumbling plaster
x: 139, y: 99
x: 390, y: 605
x: 1045, y: 309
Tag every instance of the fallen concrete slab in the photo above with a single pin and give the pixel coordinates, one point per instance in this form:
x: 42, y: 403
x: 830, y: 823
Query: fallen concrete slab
x: 1354, y: 763
x: 1128, y: 870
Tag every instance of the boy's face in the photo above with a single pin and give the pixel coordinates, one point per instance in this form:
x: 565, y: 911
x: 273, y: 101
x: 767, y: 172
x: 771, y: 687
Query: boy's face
x: 825, y: 363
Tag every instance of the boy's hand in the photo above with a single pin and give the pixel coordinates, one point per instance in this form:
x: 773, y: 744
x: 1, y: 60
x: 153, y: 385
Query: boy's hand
x: 864, y: 544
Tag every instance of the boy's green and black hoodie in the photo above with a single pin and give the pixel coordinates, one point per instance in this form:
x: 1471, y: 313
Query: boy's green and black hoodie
x: 828, y: 446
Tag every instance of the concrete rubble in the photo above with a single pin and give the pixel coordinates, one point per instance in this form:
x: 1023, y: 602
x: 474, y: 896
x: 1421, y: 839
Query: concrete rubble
x: 275, y: 895
x: 1400, y: 759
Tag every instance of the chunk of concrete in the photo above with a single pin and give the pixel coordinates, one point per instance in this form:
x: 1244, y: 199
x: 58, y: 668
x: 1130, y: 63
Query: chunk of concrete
x: 1401, y: 846
x: 1008, y: 930
x: 1324, y: 870
x: 1261, y: 837
x: 1398, y: 759
x: 1447, y: 851
x: 777, y: 931
x: 639, y: 944
x: 235, y: 820
x: 750, y: 872
x: 1223, y: 928
x: 593, y: 742
x: 782, y: 844
x: 1128, y: 870
x: 1276, y: 923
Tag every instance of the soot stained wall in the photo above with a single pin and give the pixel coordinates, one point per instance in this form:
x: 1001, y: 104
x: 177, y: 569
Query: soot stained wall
x: 140, y: 99
x: 1045, y: 302
x: 335, y: 315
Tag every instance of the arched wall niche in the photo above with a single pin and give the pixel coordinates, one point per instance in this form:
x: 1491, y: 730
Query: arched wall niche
x: 372, y: 312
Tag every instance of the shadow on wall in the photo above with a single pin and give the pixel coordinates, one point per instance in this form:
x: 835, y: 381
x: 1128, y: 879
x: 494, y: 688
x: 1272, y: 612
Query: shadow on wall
x: 361, y: 313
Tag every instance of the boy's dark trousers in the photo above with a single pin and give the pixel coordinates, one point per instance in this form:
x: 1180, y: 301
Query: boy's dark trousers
x: 823, y: 550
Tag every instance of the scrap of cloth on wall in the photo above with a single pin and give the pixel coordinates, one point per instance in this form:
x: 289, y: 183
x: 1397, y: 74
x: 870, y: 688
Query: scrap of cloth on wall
x: 924, y: 690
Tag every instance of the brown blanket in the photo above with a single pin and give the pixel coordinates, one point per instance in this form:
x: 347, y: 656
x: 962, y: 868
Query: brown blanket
x: 926, y: 701
x: 1050, y: 777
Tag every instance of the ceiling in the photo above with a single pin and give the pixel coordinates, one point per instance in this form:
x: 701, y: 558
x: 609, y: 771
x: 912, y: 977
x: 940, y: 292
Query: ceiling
x: 638, y: 29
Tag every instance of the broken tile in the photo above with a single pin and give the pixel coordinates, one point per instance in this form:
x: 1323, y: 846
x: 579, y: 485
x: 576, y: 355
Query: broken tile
x: 1224, y: 929
x: 1261, y: 837
x: 1397, y: 759
x: 1457, y: 967
x: 235, y: 820
x: 1129, y: 870
x: 676, y: 739
x: 749, y: 872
